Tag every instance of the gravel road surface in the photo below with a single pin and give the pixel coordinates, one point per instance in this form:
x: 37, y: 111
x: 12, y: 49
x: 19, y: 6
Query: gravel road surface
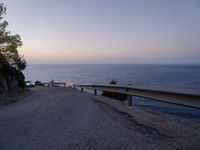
x: 66, y: 119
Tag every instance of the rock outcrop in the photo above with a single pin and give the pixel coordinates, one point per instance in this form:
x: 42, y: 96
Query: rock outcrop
x: 8, y: 84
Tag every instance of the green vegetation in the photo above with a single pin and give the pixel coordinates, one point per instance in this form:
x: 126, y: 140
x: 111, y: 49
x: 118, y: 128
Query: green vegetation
x: 11, y: 63
x: 113, y: 95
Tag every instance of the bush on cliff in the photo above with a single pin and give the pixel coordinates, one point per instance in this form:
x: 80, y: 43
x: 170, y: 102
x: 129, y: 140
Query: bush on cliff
x: 7, y: 71
x: 114, y: 95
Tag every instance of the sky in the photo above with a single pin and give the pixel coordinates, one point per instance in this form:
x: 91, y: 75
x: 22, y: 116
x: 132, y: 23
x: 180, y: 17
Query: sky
x: 106, y: 31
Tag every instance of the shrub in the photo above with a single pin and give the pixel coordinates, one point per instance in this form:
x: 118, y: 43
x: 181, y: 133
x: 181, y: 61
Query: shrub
x: 118, y: 96
x: 7, y: 70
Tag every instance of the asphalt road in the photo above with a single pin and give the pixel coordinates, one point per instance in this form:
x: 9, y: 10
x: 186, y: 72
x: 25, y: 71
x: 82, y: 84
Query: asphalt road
x: 62, y: 119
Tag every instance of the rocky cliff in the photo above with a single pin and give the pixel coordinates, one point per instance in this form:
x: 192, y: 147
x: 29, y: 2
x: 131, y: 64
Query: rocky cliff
x: 8, y: 84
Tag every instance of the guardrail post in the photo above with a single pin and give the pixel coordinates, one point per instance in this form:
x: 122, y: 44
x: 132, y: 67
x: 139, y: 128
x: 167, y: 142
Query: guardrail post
x: 95, y: 92
x: 81, y: 89
x: 130, y: 100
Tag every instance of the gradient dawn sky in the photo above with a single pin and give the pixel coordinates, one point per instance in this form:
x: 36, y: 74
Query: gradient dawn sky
x: 107, y: 31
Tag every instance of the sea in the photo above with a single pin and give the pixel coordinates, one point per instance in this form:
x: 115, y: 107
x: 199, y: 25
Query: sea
x: 181, y: 77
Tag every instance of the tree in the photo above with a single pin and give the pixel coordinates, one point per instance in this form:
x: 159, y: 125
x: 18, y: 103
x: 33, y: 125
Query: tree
x: 9, y: 44
x: 19, y: 62
x: 11, y: 63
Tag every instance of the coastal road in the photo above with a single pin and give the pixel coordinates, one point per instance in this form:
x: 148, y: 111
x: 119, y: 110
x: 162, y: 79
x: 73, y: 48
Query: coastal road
x: 66, y: 119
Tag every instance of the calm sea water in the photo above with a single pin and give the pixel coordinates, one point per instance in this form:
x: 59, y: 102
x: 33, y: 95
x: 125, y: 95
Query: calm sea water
x: 185, y: 77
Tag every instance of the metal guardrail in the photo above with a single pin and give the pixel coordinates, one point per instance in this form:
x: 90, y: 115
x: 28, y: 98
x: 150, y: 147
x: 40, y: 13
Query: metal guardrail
x: 187, y: 98
x: 180, y: 97
x: 64, y: 84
